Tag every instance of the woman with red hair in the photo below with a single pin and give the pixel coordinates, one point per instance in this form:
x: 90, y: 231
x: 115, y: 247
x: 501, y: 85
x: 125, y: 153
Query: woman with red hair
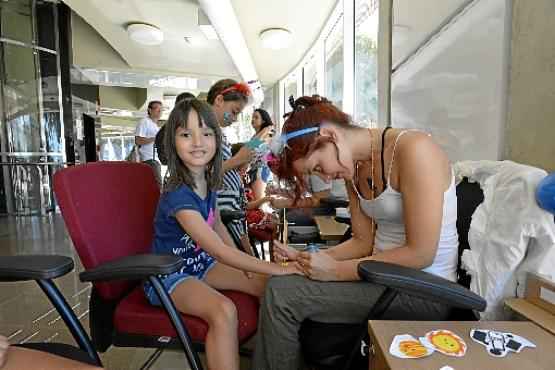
x: 399, y: 180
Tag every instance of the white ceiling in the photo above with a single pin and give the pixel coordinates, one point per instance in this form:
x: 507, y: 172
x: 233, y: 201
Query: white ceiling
x: 304, y: 18
x: 176, y: 18
x: 421, y: 17
x: 203, y: 57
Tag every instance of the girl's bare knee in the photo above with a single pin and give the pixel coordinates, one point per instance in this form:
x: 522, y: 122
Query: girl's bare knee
x: 224, y: 314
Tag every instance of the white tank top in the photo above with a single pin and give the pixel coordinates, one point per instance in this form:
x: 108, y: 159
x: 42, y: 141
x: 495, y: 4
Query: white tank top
x: 387, y: 211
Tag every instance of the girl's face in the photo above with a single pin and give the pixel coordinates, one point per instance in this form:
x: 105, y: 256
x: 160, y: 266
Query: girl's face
x: 227, y: 111
x: 332, y: 160
x: 196, y: 144
x: 256, y: 121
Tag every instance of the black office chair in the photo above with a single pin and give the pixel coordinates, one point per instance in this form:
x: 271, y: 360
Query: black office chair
x: 342, y: 349
x: 44, y: 268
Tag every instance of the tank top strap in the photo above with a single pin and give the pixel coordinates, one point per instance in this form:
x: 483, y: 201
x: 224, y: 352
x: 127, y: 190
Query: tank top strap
x: 393, y: 153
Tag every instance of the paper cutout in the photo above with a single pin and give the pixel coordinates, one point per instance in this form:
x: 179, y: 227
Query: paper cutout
x: 446, y: 342
x: 498, y: 344
x: 406, y: 346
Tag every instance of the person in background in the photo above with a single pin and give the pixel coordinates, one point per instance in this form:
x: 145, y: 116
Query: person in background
x: 145, y: 135
x: 228, y: 98
x: 259, y: 173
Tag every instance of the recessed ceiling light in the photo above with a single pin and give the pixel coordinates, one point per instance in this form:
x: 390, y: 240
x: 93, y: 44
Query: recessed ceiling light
x: 145, y: 34
x: 275, y: 38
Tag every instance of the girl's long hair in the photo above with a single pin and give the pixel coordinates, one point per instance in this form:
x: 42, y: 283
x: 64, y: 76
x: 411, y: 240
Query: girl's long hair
x: 179, y: 174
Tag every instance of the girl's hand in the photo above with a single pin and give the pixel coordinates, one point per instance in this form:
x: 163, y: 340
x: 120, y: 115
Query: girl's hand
x: 318, y: 266
x: 4, y: 345
x: 283, y: 253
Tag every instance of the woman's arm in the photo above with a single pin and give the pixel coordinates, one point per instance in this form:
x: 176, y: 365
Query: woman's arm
x: 362, y: 240
x: 193, y: 223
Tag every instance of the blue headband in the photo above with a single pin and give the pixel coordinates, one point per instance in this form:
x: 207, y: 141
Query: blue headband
x: 279, y: 143
x: 297, y: 133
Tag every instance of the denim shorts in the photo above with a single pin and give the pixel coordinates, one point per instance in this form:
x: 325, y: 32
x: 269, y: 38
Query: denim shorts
x: 173, y: 280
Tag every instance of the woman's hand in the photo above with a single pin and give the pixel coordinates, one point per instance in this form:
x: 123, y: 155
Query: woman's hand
x: 266, y: 134
x: 244, y: 156
x: 318, y: 266
x: 284, y: 253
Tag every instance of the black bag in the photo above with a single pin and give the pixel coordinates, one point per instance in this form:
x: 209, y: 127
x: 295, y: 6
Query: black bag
x: 159, y: 146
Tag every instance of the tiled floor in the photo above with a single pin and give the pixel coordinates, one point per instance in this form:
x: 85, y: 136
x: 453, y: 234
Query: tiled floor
x: 27, y: 315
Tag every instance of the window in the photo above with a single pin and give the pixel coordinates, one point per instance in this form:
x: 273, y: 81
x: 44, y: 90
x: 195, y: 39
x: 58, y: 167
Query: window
x: 334, y: 64
x: 290, y: 90
x: 366, y: 62
x: 310, y: 79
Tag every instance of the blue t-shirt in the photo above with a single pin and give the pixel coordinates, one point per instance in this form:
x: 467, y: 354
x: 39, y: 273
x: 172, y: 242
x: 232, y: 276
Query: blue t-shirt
x: 169, y: 236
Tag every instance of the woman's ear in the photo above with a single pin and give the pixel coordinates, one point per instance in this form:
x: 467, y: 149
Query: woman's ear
x: 219, y: 101
x: 329, y: 131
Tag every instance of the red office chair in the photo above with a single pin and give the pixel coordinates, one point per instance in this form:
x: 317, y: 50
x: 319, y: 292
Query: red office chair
x: 109, y: 208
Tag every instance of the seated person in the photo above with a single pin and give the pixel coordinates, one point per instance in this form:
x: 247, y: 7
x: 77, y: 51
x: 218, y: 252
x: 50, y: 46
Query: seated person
x: 188, y: 225
x: 412, y: 199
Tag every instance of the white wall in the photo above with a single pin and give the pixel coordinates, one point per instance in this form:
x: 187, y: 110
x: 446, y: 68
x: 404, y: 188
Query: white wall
x: 531, y: 118
x: 455, y: 86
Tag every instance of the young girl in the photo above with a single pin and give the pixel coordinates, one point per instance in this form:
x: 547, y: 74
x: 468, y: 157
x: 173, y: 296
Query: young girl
x: 187, y: 224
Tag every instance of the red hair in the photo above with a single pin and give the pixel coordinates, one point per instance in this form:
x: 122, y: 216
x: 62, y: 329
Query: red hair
x: 307, y: 112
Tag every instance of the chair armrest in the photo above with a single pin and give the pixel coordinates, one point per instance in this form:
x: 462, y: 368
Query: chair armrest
x: 332, y: 202
x: 228, y: 216
x: 420, y: 284
x: 135, y: 267
x: 34, y: 267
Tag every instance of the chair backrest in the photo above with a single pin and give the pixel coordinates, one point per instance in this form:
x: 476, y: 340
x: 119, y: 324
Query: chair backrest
x: 469, y: 197
x: 109, y: 209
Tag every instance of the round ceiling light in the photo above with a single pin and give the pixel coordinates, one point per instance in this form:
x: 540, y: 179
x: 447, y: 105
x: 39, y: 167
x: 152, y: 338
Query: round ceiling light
x: 275, y: 38
x: 145, y: 34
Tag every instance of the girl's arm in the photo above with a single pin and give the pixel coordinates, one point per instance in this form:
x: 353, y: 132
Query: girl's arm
x: 193, y: 223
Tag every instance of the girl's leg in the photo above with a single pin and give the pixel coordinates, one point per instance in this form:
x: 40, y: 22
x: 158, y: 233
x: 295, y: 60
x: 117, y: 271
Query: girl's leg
x: 18, y: 358
x: 194, y: 297
x: 224, y: 277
